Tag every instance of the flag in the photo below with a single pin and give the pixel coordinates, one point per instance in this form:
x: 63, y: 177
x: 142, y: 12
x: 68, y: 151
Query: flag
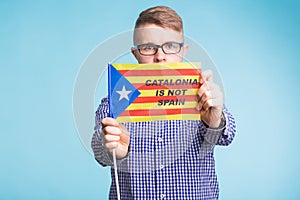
x: 147, y: 92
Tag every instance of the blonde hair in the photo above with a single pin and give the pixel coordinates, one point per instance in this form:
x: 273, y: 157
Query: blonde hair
x: 162, y: 16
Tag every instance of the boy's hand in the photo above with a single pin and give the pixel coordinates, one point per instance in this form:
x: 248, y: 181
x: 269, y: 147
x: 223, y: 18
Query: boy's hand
x: 210, y: 100
x: 115, y: 136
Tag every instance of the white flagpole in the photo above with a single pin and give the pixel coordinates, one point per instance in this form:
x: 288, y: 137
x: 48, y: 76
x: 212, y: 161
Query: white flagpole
x: 116, y: 174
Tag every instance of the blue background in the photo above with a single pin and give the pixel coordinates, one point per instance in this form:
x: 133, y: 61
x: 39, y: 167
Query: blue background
x: 255, y: 45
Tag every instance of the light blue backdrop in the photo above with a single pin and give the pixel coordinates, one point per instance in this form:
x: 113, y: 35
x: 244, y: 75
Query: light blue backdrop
x: 255, y: 45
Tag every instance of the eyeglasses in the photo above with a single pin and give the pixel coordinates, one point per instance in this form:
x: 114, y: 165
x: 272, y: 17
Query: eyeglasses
x: 167, y: 48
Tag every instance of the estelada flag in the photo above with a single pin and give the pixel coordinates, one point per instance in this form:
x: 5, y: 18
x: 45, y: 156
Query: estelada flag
x: 147, y: 92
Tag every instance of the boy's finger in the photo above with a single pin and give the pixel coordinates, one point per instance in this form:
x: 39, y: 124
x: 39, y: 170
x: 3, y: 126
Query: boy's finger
x: 108, y: 121
x: 206, y: 75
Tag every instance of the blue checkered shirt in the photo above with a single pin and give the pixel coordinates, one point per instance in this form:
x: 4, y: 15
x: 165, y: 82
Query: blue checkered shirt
x: 166, y: 159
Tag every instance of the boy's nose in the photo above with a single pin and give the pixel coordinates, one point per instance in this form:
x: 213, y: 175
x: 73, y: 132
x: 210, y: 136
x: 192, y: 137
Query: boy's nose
x: 160, y: 56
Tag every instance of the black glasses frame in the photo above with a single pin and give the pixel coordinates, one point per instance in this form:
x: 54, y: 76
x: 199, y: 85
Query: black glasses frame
x: 156, y: 46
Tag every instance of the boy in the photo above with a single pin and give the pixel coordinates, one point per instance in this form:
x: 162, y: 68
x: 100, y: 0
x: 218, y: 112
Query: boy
x: 165, y: 159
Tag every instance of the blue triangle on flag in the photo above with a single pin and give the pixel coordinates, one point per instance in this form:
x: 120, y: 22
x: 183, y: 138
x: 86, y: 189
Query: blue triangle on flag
x: 121, y: 92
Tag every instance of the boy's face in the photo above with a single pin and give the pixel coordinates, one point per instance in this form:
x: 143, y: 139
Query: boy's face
x: 149, y: 35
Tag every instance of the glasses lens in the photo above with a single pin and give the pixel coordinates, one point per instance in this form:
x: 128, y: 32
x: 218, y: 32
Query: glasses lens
x: 171, y: 47
x: 147, y: 49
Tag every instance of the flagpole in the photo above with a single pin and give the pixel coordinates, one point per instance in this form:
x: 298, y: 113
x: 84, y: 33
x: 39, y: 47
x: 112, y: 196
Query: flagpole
x: 116, y: 174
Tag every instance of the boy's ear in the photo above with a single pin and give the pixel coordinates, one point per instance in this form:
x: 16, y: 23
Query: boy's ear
x: 185, y: 49
x: 133, y: 51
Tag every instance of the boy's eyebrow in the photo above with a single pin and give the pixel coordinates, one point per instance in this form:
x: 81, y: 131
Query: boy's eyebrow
x: 147, y: 43
x: 157, y: 44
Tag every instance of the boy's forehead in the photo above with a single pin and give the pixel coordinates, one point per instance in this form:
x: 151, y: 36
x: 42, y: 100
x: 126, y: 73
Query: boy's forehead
x: 156, y: 35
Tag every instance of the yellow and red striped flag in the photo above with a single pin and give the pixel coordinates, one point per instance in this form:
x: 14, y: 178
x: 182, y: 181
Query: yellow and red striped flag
x: 147, y: 92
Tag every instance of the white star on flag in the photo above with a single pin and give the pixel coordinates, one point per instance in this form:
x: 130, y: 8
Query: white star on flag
x: 123, y: 93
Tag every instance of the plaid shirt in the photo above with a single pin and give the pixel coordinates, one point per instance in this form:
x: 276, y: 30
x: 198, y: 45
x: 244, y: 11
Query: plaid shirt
x: 166, y: 159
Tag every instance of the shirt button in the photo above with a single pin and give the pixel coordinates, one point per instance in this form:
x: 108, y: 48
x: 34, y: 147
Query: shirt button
x: 162, y: 166
x: 162, y: 196
x: 160, y: 139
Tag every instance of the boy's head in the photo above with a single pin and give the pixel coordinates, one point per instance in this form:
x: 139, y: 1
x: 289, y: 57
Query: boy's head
x: 161, y: 16
x: 158, y: 36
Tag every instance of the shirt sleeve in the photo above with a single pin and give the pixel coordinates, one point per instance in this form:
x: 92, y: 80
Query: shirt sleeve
x: 101, y: 154
x: 223, y: 135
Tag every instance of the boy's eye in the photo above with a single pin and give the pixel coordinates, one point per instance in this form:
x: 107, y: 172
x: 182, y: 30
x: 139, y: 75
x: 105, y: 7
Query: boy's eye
x: 148, y: 47
x: 170, y: 46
